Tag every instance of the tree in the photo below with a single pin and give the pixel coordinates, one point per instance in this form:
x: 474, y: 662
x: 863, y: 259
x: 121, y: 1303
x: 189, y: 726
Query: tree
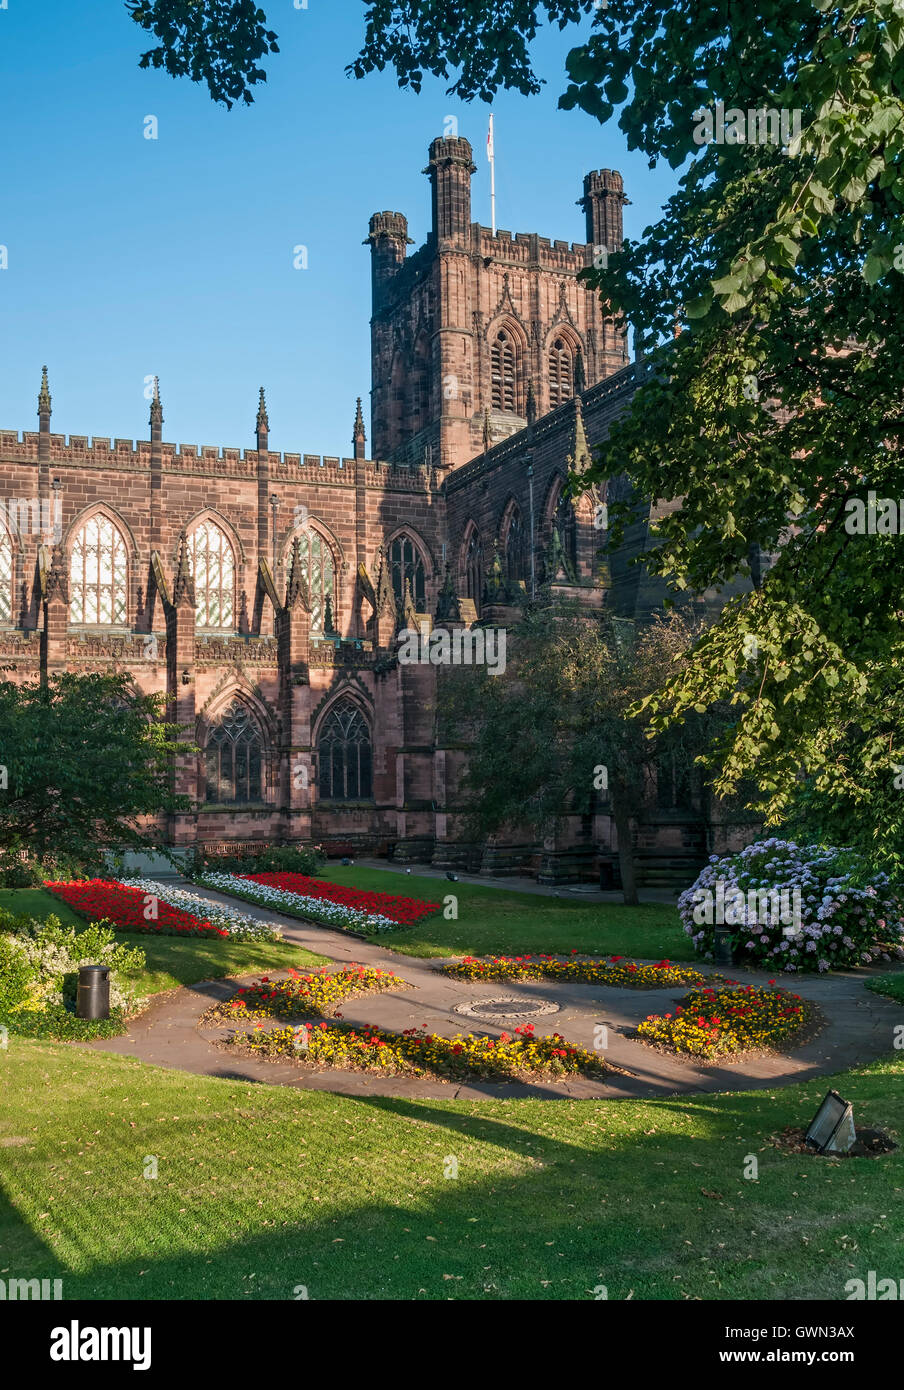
x: 83, y: 759
x: 556, y: 726
x: 775, y: 418
x: 772, y: 426
x: 219, y: 42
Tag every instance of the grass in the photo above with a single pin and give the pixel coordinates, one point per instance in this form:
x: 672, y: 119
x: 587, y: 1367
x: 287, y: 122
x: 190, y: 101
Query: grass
x: 262, y: 1190
x: 37, y: 902
x: 174, y: 960
x: 891, y: 985
x: 500, y: 922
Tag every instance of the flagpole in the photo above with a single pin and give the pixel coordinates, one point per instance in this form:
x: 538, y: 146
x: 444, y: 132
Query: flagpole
x: 491, y: 155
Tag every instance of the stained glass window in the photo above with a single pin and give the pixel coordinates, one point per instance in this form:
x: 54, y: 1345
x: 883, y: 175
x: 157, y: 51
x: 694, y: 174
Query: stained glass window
x: 6, y: 578
x: 407, y: 565
x: 213, y: 571
x: 318, y: 568
x: 565, y: 524
x: 515, y: 546
x: 474, y: 567
x: 98, y: 575
x: 344, y: 755
x: 234, y: 758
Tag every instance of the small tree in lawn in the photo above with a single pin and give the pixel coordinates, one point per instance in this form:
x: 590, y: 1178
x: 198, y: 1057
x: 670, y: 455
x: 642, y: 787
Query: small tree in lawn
x: 85, y: 758
x: 558, y: 724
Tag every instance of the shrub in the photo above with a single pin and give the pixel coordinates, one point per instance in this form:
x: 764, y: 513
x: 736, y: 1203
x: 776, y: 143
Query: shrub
x: 18, y: 977
x: 794, y: 908
x: 273, y: 859
x: 49, y: 955
x: 18, y: 873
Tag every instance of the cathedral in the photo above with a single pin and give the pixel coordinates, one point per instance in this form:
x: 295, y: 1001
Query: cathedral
x: 262, y: 593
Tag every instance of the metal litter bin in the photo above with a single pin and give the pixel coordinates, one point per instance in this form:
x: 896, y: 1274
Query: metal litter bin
x: 93, y: 998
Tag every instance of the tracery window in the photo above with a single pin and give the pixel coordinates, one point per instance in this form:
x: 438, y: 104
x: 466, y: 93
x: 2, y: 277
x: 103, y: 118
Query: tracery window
x: 234, y: 758
x: 474, y: 567
x: 212, y: 562
x: 6, y: 577
x: 407, y: 566
x: 345, y: 755
x: 515, y: 546
x: 566, y: 525
x: 319, y: 570
x: 98, y: 574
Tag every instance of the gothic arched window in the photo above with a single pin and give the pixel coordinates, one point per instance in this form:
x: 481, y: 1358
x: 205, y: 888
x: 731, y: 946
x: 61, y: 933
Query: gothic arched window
x: 344, y: 755
x: 233, y: 758
x: 474, y: 567
x: 505, y: 392
x: 319, y: 570
x: 561, y: 373
x: 515, y: 546
x: 98, y: 574
x: 6, y: 577
x: 213, y: 571
x: 407, y: 566
x: 565, y: 524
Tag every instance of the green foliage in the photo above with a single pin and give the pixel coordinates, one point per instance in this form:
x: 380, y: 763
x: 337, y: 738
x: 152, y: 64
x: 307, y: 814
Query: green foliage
x: 560, y: 733
x: 39, y: 962
x: 219, y: 42
x: 17, y: 873
x: 57, y: 1023
x: 273, y: 859
x: 86, y: 757
x: 17, y: 975
x: 487, y: 40
x: 780, y: 402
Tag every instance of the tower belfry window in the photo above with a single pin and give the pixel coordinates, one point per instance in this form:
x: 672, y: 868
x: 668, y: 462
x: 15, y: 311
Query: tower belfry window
x: 504, y: 392
x: 561, y: 373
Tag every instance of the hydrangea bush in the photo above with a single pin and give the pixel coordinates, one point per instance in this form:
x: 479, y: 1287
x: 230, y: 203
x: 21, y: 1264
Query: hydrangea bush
x: 848, y: 916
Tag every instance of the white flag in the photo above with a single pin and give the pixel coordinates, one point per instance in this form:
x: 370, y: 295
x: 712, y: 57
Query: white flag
x: 490, y: 150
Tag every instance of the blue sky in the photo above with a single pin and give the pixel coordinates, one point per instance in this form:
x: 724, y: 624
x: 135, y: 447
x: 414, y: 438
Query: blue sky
x: 129, y: 257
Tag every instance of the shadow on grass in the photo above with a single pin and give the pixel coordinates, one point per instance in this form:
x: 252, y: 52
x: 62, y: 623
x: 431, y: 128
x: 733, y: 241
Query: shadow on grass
x: 354, y: 1199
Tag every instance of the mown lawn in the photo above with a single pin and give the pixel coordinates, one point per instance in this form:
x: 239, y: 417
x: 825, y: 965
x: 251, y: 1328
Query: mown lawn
x: 173, y: 960
x: 262, y: 1190
x: 497, y: 921
x: 892, y: 985
x: 37, y: 902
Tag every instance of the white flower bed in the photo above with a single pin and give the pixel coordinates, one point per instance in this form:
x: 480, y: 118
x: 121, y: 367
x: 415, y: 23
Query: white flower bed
x: 236, y: 923
x: 321, y: 910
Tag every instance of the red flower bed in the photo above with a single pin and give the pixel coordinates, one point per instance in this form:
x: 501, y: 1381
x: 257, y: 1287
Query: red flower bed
x: 97, y: 898
x: 401, y: 910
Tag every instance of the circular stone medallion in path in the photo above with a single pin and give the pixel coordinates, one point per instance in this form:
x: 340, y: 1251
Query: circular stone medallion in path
x: 506, y: 1008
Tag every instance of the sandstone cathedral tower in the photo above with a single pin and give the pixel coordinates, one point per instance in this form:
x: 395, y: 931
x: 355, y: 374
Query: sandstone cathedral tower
x: 261, y: 594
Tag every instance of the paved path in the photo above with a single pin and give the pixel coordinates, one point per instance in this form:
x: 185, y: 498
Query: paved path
x: 859, y: 1027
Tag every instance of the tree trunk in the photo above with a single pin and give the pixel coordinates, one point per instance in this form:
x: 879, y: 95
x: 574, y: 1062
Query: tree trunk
x: 625, y: 850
